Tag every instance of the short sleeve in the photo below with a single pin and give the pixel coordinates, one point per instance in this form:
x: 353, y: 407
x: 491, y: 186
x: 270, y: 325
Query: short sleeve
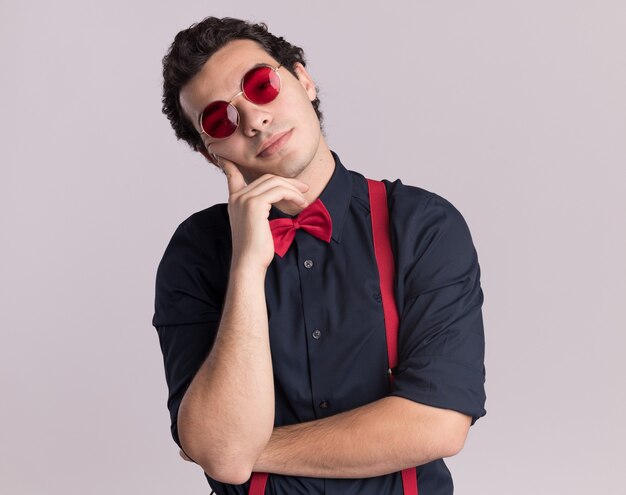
x: 190, y: 287
x: 184, y: 348
x: 441, y: 342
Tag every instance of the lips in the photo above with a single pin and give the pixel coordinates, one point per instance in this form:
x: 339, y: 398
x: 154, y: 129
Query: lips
x: 274, y: 144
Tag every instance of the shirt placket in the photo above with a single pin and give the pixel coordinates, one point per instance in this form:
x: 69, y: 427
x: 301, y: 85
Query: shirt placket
x: 311, y: 262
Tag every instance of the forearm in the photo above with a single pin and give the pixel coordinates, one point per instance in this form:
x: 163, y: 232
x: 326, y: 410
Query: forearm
x: 227, y: 414
x: 379, y: 438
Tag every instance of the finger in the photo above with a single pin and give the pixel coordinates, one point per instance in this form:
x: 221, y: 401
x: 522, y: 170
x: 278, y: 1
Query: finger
x: 267, y: 182
x: 271, y: 179
x: 279, y: 193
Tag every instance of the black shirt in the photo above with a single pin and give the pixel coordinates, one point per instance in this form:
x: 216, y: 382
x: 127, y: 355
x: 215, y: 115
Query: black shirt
x: 326, y: 323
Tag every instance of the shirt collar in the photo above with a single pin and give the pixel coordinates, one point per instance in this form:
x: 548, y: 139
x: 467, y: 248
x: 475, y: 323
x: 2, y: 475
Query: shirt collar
x: 335, y: 196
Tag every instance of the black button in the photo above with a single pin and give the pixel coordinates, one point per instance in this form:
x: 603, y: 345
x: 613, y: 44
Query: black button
x: 324, y: 404
x: 316, y: 334
x: 378, y: 297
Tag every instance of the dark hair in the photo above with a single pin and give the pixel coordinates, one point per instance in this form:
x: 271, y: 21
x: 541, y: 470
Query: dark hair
x: 191, y: 49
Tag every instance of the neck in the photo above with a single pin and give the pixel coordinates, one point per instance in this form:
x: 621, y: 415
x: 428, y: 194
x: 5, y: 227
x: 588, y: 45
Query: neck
x: 317, y: 175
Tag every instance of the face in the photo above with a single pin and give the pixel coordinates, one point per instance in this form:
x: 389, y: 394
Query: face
x: 288, y: 123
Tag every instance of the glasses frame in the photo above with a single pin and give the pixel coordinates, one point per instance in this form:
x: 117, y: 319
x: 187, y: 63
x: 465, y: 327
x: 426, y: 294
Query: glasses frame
x: 241, y: 92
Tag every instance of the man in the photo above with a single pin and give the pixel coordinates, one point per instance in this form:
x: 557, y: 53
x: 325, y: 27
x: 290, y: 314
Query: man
x: 275, y: 355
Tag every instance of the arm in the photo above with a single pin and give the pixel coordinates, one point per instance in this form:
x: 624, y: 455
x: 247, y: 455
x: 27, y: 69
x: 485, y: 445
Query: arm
x: 439, y: 385
x: 383, y: 437
x: 227, y: 414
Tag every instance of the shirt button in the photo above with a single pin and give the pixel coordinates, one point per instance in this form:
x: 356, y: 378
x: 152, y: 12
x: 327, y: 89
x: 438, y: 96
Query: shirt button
x: 308, y: 264
x: 324, y: 404
x: 316, y: 334
x: 377, y: 297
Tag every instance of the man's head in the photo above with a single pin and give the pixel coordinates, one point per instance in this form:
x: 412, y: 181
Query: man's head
x: 206, y: 63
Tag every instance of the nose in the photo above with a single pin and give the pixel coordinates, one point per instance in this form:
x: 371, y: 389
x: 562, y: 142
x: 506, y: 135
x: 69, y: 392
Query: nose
x: 253, y: 118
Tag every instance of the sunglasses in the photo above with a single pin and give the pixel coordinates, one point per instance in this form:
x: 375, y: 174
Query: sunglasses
x: 260, y: 85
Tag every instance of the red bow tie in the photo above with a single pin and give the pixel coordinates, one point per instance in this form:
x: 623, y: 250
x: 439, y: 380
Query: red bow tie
x: 315, y: 219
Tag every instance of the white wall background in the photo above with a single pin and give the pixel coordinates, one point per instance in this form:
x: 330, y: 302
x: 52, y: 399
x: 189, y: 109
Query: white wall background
x: 514, y: 111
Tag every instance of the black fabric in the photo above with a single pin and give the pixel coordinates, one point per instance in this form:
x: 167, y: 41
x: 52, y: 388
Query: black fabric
x: 439, y: 299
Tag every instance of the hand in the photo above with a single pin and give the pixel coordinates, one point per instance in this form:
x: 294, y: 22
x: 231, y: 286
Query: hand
x: 249, y: 207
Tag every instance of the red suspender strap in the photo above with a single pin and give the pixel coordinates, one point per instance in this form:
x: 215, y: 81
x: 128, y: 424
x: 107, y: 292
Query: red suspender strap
x: 386, y: 270
x: 409, y: 481
x: 257, y: 484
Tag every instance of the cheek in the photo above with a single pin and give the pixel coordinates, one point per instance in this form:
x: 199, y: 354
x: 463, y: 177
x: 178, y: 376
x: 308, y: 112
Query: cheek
x: 298, y: 108
x: 295, y: 95
x: 229, y: 148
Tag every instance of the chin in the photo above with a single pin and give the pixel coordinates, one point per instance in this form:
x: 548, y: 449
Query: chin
x: 297, y: 163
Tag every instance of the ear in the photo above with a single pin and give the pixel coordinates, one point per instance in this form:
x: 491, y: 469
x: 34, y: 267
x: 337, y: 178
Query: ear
x: 305, y: 80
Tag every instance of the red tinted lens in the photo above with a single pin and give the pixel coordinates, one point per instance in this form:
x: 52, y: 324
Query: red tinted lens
x: 219, y: 119
x: 261, y: 85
